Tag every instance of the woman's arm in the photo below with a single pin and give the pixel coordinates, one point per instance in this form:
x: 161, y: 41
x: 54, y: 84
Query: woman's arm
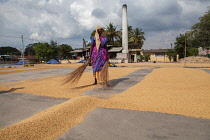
x: 105, y: 46
x: 91, y: 46
x: 91, y: 49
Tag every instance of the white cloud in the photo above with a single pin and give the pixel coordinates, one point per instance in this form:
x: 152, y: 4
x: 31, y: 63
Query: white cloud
x: 71, y: 21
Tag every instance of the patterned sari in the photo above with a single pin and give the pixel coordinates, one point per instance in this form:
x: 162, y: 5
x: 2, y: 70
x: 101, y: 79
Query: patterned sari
x: 100, y: 56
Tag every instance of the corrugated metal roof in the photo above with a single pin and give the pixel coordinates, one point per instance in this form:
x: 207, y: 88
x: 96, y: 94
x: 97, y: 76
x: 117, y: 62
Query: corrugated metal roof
x: 156, y: 50
x: 76, y: 51
x: 115, y: 49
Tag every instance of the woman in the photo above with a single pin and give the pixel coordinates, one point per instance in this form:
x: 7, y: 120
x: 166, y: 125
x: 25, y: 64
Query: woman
x: 99, y: 52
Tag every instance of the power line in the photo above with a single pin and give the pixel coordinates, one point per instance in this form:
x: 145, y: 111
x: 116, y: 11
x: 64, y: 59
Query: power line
x: 20, y: 38
x: 31, y: 39
x: 27, y: 38
x: 10, y: 36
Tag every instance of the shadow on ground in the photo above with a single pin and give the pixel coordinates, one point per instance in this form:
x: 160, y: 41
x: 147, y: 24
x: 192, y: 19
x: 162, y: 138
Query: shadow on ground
x: 11, y: 90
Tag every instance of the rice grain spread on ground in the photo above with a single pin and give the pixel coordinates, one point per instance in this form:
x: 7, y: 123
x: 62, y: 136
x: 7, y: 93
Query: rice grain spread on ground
x: 168, y: 89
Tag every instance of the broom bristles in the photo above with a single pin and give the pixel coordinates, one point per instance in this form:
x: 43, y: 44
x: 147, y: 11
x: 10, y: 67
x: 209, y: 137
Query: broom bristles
x: 75, y: 75
x: 104, y: 76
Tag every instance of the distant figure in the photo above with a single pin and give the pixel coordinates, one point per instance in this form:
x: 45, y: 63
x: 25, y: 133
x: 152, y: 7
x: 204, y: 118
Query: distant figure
x: 123, y: 60
x: 99, y: 53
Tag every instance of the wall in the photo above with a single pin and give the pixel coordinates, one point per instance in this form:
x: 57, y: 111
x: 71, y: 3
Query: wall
x: 159, y: 58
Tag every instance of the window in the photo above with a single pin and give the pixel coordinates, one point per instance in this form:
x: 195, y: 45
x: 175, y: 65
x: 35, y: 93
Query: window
x: 159, y: 54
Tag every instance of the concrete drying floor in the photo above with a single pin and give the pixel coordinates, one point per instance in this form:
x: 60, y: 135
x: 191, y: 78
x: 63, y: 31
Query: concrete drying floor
x: 141, y: 103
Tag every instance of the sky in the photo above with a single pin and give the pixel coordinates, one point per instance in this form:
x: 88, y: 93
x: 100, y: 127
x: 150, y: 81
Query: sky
x: 71, y: 21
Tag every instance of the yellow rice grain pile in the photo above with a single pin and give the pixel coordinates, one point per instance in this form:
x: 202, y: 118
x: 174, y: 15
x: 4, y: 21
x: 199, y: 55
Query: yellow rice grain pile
x: 51, y: 123
x: 168, y: 90
x: 52, y: 86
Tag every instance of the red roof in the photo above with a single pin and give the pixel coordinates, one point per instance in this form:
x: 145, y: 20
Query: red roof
x: 31, y: 57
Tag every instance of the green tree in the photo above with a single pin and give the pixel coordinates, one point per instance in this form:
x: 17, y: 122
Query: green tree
x: 191, y: 41
x: 118, y: 38
x: 111, y: 33
x: 29, y: 50
x: 201, y: 30
x: 137, y: 38
x: 191, y: 45
x: 199, y: 36
x: 42, y: 51
x: 146, y: 57
x: 64, y: 50
x: 180, y: 46
x: 193, y: 51
x: 130, y: 31
x: 118, y: 41
x: 53, y: 49
x: 171, y: 54
x: 9, y: 50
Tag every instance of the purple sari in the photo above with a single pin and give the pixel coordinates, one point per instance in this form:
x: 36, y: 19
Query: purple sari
x: 99, y: 57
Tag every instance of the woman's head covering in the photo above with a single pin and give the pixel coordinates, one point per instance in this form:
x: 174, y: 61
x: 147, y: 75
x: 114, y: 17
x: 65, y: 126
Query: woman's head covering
x: 97, y: 39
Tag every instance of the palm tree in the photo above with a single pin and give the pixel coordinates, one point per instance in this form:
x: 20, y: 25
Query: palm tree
x: 130, y: 31
x: 111, y: 32
x: 138, y: 38
x: 118, y: 41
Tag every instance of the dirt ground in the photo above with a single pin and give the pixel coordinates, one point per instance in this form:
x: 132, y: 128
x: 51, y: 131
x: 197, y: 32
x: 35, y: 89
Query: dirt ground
x: 170, y: 88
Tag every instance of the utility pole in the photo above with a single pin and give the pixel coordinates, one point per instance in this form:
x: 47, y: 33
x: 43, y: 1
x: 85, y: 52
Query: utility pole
x: 185, y: 46
x: 22, y: 51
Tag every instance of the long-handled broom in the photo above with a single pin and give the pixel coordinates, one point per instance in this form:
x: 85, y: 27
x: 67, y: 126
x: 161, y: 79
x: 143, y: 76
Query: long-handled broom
x: 75, y: 75
x: 104, y: 75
